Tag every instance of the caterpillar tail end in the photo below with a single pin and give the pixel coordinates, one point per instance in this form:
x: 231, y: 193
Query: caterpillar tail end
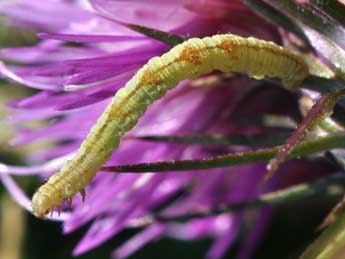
x: 41, y: 205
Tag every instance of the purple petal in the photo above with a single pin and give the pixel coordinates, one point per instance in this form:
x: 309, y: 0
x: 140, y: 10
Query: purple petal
x: 224, y: 240
x: 167, y: 18
x: 109, y: 189
x: 96, y: 77
x: 88, y: 38
x: 103, y: 229
x: 34, y: 82
x: 52, y: 15
x: 26, y: 116
x: 259, y: 226
x: 48, y: 51
x: 139, y: 240
x: 18, y: 195
x: 47, y: 167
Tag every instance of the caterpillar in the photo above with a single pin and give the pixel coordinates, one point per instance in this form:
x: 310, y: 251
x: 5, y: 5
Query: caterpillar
x: 226, y: 52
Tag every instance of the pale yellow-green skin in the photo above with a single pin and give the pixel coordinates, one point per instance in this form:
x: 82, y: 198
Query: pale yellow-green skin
x: 227, y: 53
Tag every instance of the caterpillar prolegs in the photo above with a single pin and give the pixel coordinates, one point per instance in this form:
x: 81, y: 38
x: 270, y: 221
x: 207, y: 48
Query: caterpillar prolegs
x: 227, y: 53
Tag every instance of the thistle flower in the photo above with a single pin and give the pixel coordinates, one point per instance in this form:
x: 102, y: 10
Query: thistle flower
x: 75, y: 83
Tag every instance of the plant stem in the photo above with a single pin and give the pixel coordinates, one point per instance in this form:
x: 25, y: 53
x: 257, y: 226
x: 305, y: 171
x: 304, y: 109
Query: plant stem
x: 262, y: 155
x: 330, y: 244
x: 330, y: 186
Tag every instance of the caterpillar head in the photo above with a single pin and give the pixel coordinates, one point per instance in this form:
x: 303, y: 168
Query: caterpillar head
x: 41, y: 204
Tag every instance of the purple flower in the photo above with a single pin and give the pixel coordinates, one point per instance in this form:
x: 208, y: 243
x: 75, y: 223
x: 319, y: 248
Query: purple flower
x: 77, y: 81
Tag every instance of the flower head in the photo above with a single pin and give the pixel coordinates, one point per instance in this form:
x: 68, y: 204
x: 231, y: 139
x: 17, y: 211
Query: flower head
x: 76, y: 82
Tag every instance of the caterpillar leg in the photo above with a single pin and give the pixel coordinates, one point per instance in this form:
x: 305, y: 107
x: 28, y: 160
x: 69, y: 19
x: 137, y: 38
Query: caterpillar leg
x: 83, y: 194
x: 69, y: 202
x: 58, y: 210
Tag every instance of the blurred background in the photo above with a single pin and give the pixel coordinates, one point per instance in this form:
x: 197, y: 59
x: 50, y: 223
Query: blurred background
x: 23, y: 236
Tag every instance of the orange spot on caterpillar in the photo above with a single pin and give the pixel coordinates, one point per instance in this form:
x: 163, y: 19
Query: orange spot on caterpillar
x: 227, y: 45
x: 149, y: 77
x: 191, y: 55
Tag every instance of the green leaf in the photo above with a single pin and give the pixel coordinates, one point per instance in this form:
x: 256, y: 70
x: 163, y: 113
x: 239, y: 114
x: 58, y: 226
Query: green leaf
x: 275, y: 16
x: 331, y: 243
x: 323, y: 85
x: 168, y: 38
x: 334, y: 9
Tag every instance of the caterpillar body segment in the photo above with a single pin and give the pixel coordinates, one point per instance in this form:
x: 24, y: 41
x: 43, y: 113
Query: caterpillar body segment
x: 227, y: 53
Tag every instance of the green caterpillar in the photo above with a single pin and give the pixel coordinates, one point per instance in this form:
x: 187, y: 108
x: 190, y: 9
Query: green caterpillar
x: 227, y: 53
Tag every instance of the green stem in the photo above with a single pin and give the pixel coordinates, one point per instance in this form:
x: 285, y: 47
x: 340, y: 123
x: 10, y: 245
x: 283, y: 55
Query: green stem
x: 330, y: 186
x: 262, y: 155
x: 242, y: 140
